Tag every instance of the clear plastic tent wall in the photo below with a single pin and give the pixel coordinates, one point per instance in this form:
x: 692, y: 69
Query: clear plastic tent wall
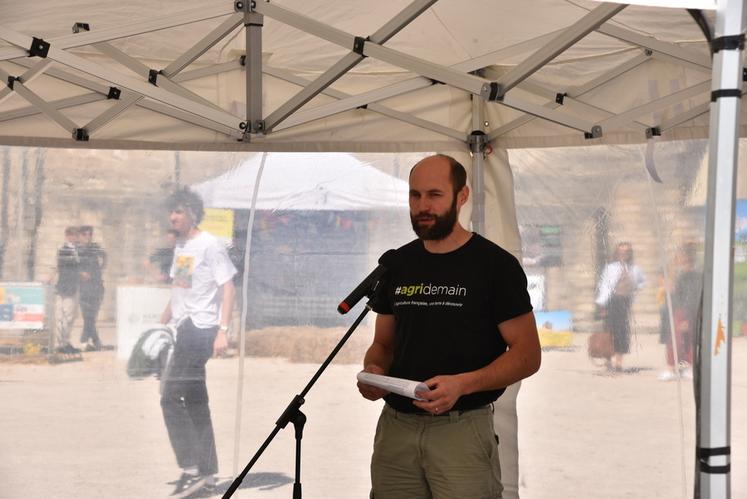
x: 76, y: 425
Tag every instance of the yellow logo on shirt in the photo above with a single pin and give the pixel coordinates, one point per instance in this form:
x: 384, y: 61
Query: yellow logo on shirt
x: 183, y: 269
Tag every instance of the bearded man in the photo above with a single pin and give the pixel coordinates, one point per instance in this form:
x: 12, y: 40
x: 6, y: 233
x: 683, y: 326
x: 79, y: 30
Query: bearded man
x: 454, y: 313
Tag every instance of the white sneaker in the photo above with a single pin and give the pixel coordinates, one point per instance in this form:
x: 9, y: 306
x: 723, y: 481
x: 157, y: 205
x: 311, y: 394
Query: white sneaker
x: 667, y: 376
x: 687, y: 373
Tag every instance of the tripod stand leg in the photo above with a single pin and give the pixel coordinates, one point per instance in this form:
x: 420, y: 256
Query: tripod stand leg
x: 299, y: 420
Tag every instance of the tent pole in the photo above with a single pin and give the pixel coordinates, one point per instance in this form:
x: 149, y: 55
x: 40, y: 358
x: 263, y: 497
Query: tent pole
x: 253, y: 62
x: 713, y: 382
x: 477, y: 141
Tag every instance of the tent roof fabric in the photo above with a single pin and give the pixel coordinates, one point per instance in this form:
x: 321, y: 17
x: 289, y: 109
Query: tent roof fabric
x: 625, y: 70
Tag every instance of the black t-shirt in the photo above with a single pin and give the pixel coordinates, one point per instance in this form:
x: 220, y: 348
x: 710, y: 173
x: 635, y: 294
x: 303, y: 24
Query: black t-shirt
x: 92, y: 258
x: 447, y: 307
x: 163, y: 257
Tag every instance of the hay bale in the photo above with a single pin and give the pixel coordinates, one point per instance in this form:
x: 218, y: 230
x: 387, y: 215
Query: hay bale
x: 308, y: 344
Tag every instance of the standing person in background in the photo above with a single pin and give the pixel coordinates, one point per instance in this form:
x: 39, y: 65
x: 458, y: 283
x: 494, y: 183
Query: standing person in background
x: 160, y: 260
x: 92, y: 262
x: 66, y: 289
x: 686, y: 303
x: 620, y: 281
x: 454, y: 313
x: 202, y: 297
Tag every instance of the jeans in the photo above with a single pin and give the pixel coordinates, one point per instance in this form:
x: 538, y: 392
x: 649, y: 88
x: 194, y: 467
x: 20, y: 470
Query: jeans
x: 184, y: 399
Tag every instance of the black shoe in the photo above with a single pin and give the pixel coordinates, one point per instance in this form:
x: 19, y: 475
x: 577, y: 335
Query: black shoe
x: 188, y: 485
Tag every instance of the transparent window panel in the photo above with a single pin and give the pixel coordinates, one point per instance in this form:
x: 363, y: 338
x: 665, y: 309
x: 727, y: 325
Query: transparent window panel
x: 607, y: 248
x: 75, y: 424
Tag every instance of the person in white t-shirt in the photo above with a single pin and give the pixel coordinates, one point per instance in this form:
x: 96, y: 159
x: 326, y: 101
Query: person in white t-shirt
x: 620, y: 281
x: 202, y: 297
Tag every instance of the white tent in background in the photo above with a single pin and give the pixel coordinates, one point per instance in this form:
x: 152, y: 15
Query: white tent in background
x: 304, y: 181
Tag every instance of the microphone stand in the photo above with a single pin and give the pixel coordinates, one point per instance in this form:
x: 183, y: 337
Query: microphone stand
x: 293, y: 414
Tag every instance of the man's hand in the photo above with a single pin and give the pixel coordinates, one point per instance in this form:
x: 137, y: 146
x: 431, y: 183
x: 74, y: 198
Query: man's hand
x: 220, y: 344
x: 368, y: 391
x: 444, y: 393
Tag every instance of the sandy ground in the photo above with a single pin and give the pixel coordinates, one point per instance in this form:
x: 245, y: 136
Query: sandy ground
x: 84, y: 429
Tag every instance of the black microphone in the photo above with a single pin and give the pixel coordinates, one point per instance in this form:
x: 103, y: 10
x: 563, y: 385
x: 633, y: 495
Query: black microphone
x: 369, y: 283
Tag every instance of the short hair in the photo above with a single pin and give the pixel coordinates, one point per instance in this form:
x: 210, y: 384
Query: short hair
x: 457, y: 172
x: 85, y: 228
x: 190, y: 200
x: 72, y: 231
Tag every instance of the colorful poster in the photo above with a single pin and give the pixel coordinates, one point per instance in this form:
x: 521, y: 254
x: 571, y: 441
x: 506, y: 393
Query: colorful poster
x: 22, y: 305
x: 555, y: 328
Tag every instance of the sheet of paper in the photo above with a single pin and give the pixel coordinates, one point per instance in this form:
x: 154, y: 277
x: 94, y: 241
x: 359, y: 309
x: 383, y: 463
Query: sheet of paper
x: 399, y: 386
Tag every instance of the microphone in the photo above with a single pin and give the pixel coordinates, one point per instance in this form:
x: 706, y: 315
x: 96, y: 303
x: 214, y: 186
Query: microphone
x: 369, y: 283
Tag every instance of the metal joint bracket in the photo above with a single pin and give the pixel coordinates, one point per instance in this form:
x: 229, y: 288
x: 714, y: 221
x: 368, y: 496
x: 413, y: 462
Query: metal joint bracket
x: 492, y: 91
x: 596, y: 132
x: 734, y: 42
x: 114, y: 93
x: 258, y: 126
x: 652, y: 132
x: 153, y: 76
x: 477, y: 140
x: 726, y: 92
x: 560, y: 98
x: 364, y: 106
x: 80, y: 134
x: 79, y: 27
x: 39, y: 48
x: 244, y: 5
x: 12, y: 80
x: 358, y: 44
x: 744, y: 74
x: 242, y: 60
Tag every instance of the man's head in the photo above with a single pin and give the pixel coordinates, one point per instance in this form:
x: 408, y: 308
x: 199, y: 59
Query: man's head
x: 624, y: 252
x: 438, y: 190
x: 186, y: 211
x: 85, y: 233
x: 71, y: 234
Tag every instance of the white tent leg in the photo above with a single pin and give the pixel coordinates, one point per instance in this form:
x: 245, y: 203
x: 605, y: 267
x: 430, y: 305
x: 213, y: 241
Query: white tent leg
x: 505, y: 418
x: 713, y: 453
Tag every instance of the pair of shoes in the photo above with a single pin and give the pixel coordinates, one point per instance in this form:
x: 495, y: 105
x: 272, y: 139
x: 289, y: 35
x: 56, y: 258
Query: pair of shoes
x: 68, y: 348
x: 188, y: 485
x: 667, y: 376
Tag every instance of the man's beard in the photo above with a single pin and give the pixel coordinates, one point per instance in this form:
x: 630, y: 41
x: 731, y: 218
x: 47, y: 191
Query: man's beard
x: 442, y: 225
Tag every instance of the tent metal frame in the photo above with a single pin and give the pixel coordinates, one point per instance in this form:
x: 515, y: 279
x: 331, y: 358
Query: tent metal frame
x: 714, y: 377
x: 159, y: 91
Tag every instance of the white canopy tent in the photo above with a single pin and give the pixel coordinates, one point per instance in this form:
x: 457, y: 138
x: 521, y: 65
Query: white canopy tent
x: 295, y: 181
x: 475, y: 76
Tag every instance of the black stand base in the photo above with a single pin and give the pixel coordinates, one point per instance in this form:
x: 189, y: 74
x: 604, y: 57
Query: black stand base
x: 293, y: 414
